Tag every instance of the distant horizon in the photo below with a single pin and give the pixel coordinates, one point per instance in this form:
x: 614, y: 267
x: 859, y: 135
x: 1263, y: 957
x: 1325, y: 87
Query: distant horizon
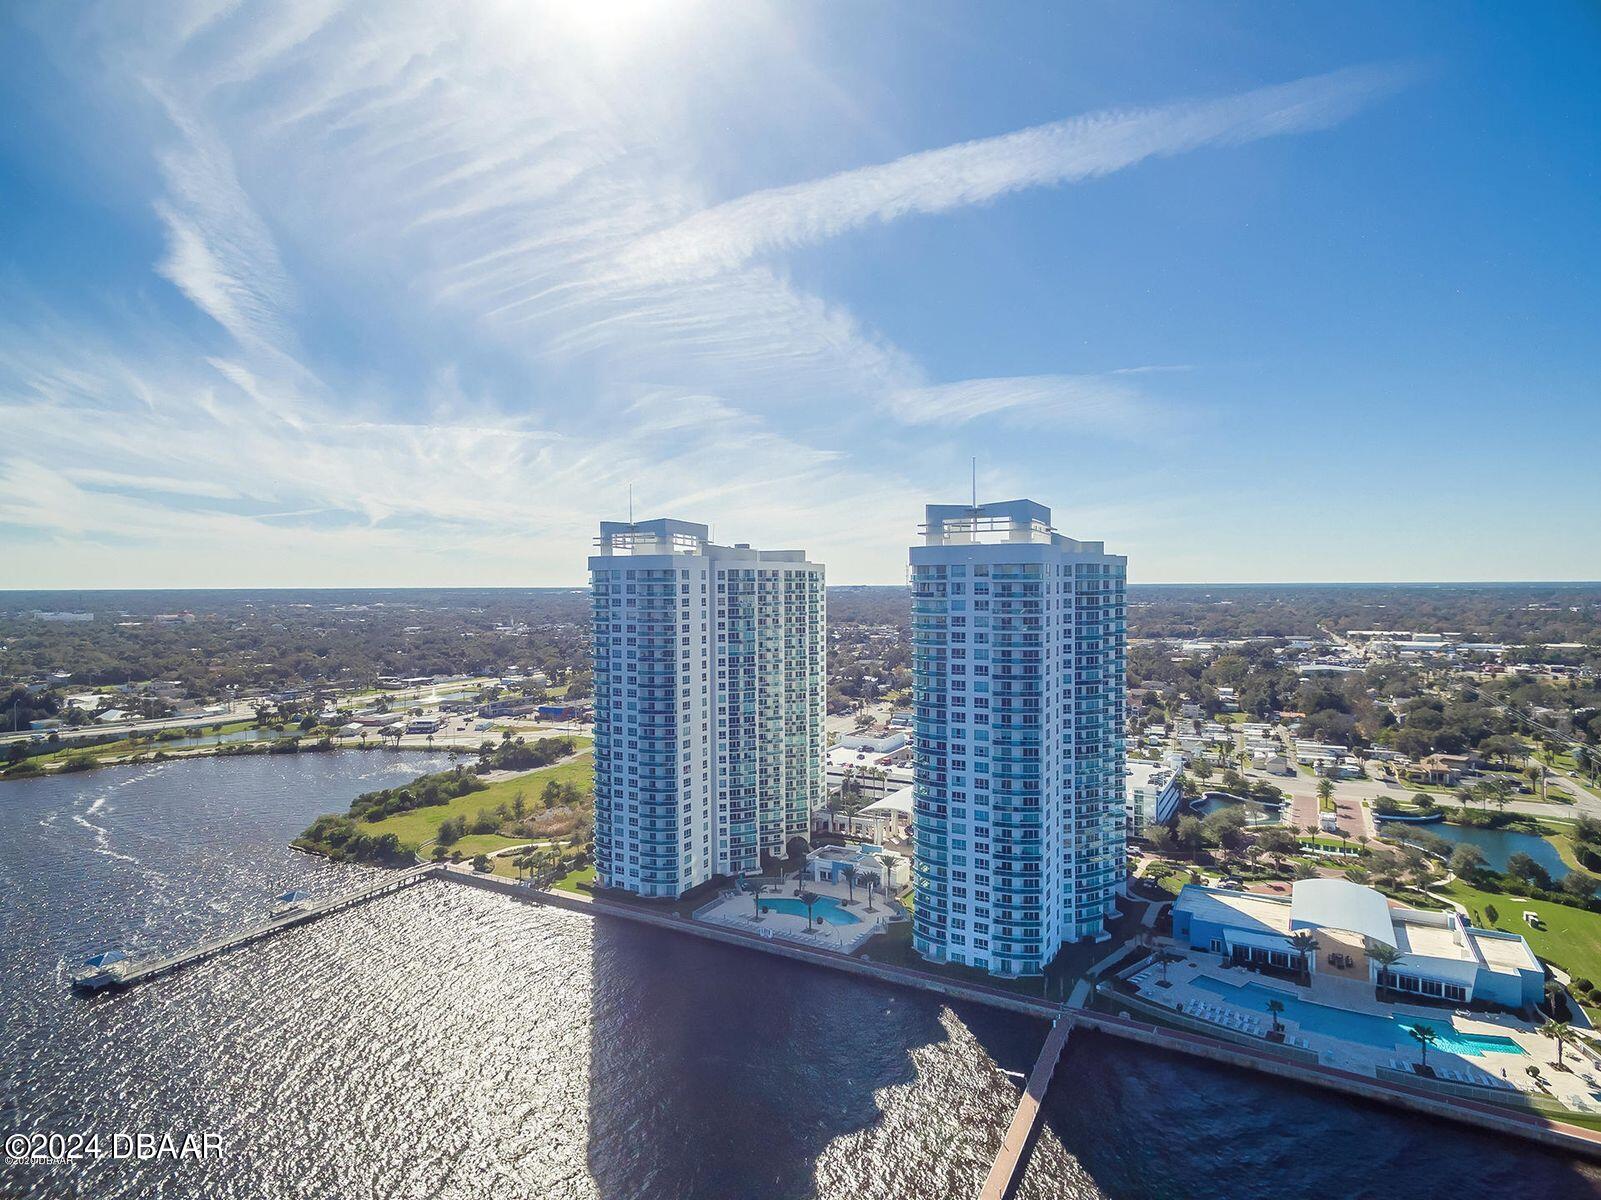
x: 577, y: 587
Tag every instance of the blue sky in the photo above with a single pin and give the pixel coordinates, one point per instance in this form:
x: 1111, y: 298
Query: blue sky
x: 320, y: 294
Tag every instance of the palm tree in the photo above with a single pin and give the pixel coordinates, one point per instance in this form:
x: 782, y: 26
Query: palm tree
x: 1559, y: 1032
x: 809, y: 899
x: 1425, y: 1036
x: 1274, y: 1008
x: 872, y: 884
x: 884, y: 861
x: 1386, y: 957
x: 756, y: 890
x: 1305, y: 945
x: 849, y: 872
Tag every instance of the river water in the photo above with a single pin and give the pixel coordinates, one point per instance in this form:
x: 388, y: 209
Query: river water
x: 450, y: 1043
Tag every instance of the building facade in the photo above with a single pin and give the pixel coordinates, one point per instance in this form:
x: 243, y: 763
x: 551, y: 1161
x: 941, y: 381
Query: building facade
x: 1152, y: 797
x: 1018, y: 663
x: 1440, y: 955
x: 709, y: 696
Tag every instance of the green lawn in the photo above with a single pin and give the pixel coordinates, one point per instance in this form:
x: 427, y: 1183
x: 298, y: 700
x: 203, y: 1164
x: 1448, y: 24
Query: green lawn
x: 1571, y: 938
x: 570, y: 881
x: 1561, y: 760
x: 483, y: 843
x: 421, y: 825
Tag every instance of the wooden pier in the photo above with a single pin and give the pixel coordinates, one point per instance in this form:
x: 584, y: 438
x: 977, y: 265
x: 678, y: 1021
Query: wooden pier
x: 142, y: 972
x: 1013, y: 1154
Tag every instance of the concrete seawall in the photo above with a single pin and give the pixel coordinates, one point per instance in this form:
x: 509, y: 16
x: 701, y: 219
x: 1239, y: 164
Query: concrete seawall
x: 882, y: 972
x: 1569, y: 1139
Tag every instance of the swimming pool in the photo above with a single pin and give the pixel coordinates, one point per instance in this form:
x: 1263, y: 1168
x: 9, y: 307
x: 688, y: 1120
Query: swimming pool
x: 1384, y: 1033
x: 826, y: 909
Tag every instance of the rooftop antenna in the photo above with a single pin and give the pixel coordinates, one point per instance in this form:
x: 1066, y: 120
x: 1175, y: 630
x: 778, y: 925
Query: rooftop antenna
x: 975, y: 483
x: 630, y: 504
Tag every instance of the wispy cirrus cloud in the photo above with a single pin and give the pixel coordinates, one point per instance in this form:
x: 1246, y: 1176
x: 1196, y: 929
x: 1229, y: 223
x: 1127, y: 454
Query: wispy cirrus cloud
x: 1082, y: 403
x: 482, y: 193
x: 219, y: 251
x: 975, y: 172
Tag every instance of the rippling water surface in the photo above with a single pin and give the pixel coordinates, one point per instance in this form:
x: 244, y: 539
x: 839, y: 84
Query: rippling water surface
x: 450, y: 1043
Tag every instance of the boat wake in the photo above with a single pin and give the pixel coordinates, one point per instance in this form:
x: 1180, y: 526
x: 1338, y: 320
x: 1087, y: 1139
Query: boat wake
x: 102, y: 837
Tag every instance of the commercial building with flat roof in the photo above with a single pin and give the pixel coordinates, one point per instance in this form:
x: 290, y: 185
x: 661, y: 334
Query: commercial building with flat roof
x: 1443, y: 957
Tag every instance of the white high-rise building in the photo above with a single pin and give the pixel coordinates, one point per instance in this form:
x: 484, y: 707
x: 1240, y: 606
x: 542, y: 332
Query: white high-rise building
x: 709, y: 699
x: 1018, y: 663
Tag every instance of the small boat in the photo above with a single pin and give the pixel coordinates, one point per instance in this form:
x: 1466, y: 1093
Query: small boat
x: 105, y: 969
x: 290, y: 902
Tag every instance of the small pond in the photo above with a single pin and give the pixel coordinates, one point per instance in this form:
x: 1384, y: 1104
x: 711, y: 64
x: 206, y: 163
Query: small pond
x: 1501, y: 844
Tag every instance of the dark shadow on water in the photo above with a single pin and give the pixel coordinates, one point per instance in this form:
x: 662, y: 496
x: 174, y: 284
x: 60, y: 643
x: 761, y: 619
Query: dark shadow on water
x: 719, y: 1072
x: 1148, y: 1125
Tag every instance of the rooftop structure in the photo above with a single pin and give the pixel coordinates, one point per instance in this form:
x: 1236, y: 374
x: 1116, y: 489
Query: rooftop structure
x: 1442, y: 956
x: 1151, y: 796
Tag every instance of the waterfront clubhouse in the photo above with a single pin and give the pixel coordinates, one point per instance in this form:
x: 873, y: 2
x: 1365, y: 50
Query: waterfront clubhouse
x: 1440, y: 956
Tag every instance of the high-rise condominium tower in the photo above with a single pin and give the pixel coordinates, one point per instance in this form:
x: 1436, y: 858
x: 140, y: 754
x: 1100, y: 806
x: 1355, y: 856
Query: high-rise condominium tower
x: 709, y: 696
x: 1018, y: 660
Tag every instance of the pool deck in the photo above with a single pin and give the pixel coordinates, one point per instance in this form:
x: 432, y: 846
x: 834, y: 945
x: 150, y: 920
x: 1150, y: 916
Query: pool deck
x: 737, y: 910
x: 1248, y: 1015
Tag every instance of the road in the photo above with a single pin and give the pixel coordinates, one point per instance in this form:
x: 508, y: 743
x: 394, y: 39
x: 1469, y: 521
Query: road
x: 1348, y: 794
x: 236, y: 711
x: 245, y: 709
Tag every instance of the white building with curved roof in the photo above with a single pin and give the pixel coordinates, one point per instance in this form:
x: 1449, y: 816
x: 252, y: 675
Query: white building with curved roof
x: 1442, y: 956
